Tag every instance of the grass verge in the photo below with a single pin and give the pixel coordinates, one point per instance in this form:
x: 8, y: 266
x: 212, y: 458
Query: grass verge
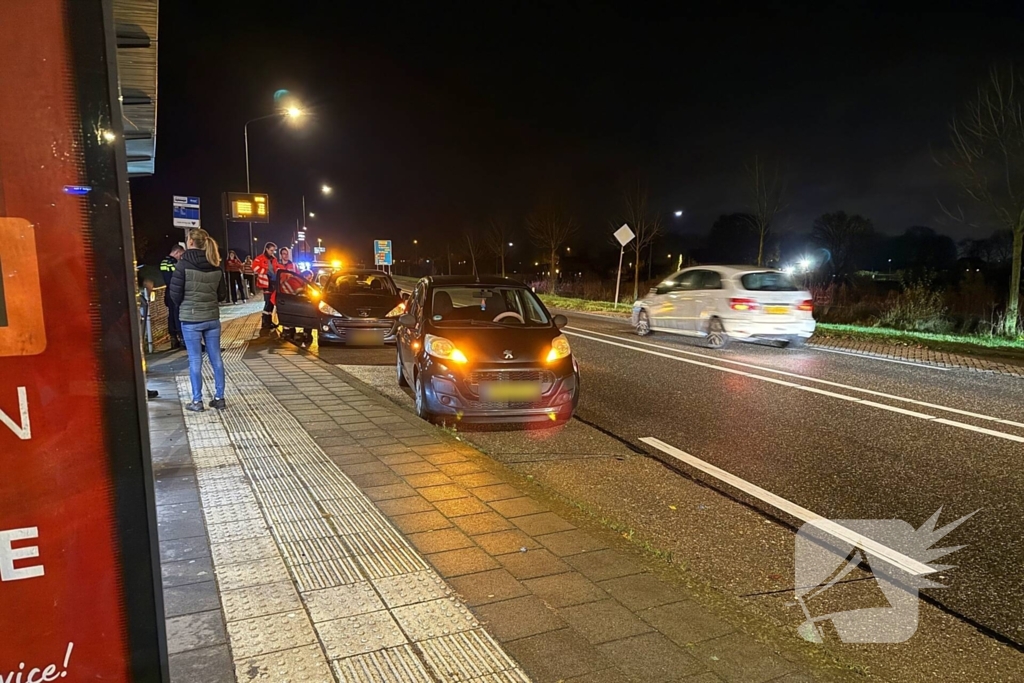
x: 969, y: 345
x: 586, y: 305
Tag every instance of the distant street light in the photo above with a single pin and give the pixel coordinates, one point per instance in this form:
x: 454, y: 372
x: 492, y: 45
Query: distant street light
x: 510, y: 244
x: 294, y: 112
x: 679, y: 214
x: 312, y: 215
x: 326, y: 189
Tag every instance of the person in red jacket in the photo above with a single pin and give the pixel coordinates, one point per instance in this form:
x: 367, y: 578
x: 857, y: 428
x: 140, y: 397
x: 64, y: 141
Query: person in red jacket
x: 235, y: 283
x: 289, y: 281
x: 265, y: 267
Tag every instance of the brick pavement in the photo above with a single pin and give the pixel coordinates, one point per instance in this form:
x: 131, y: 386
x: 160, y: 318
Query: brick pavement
x: 918, y: 354
x: 304, y: 463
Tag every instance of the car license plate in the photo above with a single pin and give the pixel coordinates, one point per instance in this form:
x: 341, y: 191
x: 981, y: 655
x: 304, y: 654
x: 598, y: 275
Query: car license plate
x: 364, y: 337
x: 776, y: 310
x: 510, y: 391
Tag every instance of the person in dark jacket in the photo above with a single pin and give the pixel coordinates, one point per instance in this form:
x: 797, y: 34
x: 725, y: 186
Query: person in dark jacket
x: 197, y: 286
x: 166, y: 270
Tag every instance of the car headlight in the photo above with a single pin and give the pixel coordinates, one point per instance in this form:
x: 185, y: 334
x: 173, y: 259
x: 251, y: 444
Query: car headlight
x: 327, y: 309
x: 442, y: 348
x: 396, y: 311
x: 559, y: 349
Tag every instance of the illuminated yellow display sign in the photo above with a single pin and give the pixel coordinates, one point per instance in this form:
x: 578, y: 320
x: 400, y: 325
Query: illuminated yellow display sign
x: 252, y: 208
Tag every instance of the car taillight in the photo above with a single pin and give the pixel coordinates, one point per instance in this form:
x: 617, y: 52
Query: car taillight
x: 806, y: 305
x: 743, y: 304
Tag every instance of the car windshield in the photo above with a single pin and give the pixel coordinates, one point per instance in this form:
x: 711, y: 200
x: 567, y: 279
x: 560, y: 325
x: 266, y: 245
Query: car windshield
x: 768, y: 281
x: 482, y: 305
x: 360, y: 283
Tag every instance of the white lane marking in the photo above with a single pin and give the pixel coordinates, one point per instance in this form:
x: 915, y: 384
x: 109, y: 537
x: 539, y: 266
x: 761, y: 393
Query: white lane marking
x: 813, y: 390
x: 872, y: 392
x: 893, y: 557
x: 887, y: 360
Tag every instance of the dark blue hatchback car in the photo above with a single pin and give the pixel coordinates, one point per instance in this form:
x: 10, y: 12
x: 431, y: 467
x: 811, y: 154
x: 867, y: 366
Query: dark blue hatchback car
x: 485, y: 350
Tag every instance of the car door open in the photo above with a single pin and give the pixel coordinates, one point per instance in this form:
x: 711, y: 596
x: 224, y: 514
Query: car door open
x: 297, y: 302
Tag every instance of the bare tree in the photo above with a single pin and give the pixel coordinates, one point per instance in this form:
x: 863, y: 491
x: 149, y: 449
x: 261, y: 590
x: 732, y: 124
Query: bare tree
x: 839, y: 233
x: 987, y: 159
x: 550, y: 229
x: 645, y: 223
x: 498, y: 241
x: 766, y: 192
x: 472, y: 246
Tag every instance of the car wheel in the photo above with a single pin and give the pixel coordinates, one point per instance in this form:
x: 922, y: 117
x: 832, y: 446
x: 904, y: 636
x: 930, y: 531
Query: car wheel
x: 421, y: 400
x: 643, y: 324
x: 402, y: 381
x: 716, y: 338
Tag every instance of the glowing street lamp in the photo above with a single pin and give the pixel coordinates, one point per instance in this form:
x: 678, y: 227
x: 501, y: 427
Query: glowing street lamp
x: 679, y: 214
x: 326, y: 189
x: 292, y: 112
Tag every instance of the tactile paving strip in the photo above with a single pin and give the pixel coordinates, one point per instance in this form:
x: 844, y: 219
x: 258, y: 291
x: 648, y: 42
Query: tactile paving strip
x: 261, y: 600
x: 425, y: 620
x: 351, y: 566
x: 465, y: 656
x: 359, y: 634
x: 392, y: 665
x: 408, y: 589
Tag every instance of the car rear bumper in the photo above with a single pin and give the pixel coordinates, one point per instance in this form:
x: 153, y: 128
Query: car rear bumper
x: 785, y: 331
x: 452, y: 393
x: 337, y: 329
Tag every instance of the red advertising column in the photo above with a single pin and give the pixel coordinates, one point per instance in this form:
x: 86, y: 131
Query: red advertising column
x: 79, y: 591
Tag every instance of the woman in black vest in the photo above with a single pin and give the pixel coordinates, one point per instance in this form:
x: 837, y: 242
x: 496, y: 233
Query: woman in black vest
x: 196, y: 288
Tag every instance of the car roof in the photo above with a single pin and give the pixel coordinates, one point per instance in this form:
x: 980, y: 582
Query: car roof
x: 359, y: 271
x: 443, y: 280
x: 731, y: 270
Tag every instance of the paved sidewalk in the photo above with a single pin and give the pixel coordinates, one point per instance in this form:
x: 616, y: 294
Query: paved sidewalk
x: 351, y: 541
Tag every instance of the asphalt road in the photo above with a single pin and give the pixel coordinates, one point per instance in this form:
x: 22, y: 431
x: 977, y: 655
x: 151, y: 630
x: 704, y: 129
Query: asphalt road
x: 845, y: 436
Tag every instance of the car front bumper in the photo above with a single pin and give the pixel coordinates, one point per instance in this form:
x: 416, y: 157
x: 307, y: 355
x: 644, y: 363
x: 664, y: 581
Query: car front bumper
x: 333, y: 329
x: 455, y: 392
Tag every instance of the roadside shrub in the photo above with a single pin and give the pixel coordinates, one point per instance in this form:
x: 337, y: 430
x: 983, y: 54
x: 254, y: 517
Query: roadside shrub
x: 917, y: 308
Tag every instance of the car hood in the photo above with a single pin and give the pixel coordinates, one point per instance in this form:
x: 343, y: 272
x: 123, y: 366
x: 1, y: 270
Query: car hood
x: 527, y: 345
x: 362, y: 305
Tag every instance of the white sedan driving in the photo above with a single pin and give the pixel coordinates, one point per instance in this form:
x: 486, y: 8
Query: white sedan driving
x: 722, y: 303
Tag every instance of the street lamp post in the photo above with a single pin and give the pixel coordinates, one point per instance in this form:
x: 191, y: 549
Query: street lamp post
x: 290, y: 112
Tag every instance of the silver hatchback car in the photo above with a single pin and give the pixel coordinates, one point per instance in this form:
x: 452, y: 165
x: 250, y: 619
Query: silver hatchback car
x: 722, y: 303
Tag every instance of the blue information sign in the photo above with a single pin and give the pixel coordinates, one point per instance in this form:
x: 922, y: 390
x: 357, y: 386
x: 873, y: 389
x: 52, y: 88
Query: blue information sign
x: 186, y: 212
x: 382, y: 252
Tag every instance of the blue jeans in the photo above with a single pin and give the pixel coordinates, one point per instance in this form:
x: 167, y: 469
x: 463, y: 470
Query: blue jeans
x: 194, y: 335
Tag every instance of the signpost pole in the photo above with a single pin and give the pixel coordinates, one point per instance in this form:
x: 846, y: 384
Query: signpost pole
x: 618, y: 275
x: 624, y: 236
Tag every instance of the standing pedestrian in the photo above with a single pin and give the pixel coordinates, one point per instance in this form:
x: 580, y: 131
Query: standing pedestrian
x: 197, y: 287
x: 167, y: 270
x: 264, y: 267
x: 235, y: 283
x: 247, y: 274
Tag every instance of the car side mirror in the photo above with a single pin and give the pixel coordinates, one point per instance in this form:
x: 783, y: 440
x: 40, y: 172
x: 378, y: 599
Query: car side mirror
x: 407, y: 319
x: 662, y: 289
x: 560, y: 321
x: 406, y: 296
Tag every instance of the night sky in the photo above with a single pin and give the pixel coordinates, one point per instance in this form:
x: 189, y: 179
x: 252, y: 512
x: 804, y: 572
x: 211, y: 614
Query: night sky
x: 428, y: 119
